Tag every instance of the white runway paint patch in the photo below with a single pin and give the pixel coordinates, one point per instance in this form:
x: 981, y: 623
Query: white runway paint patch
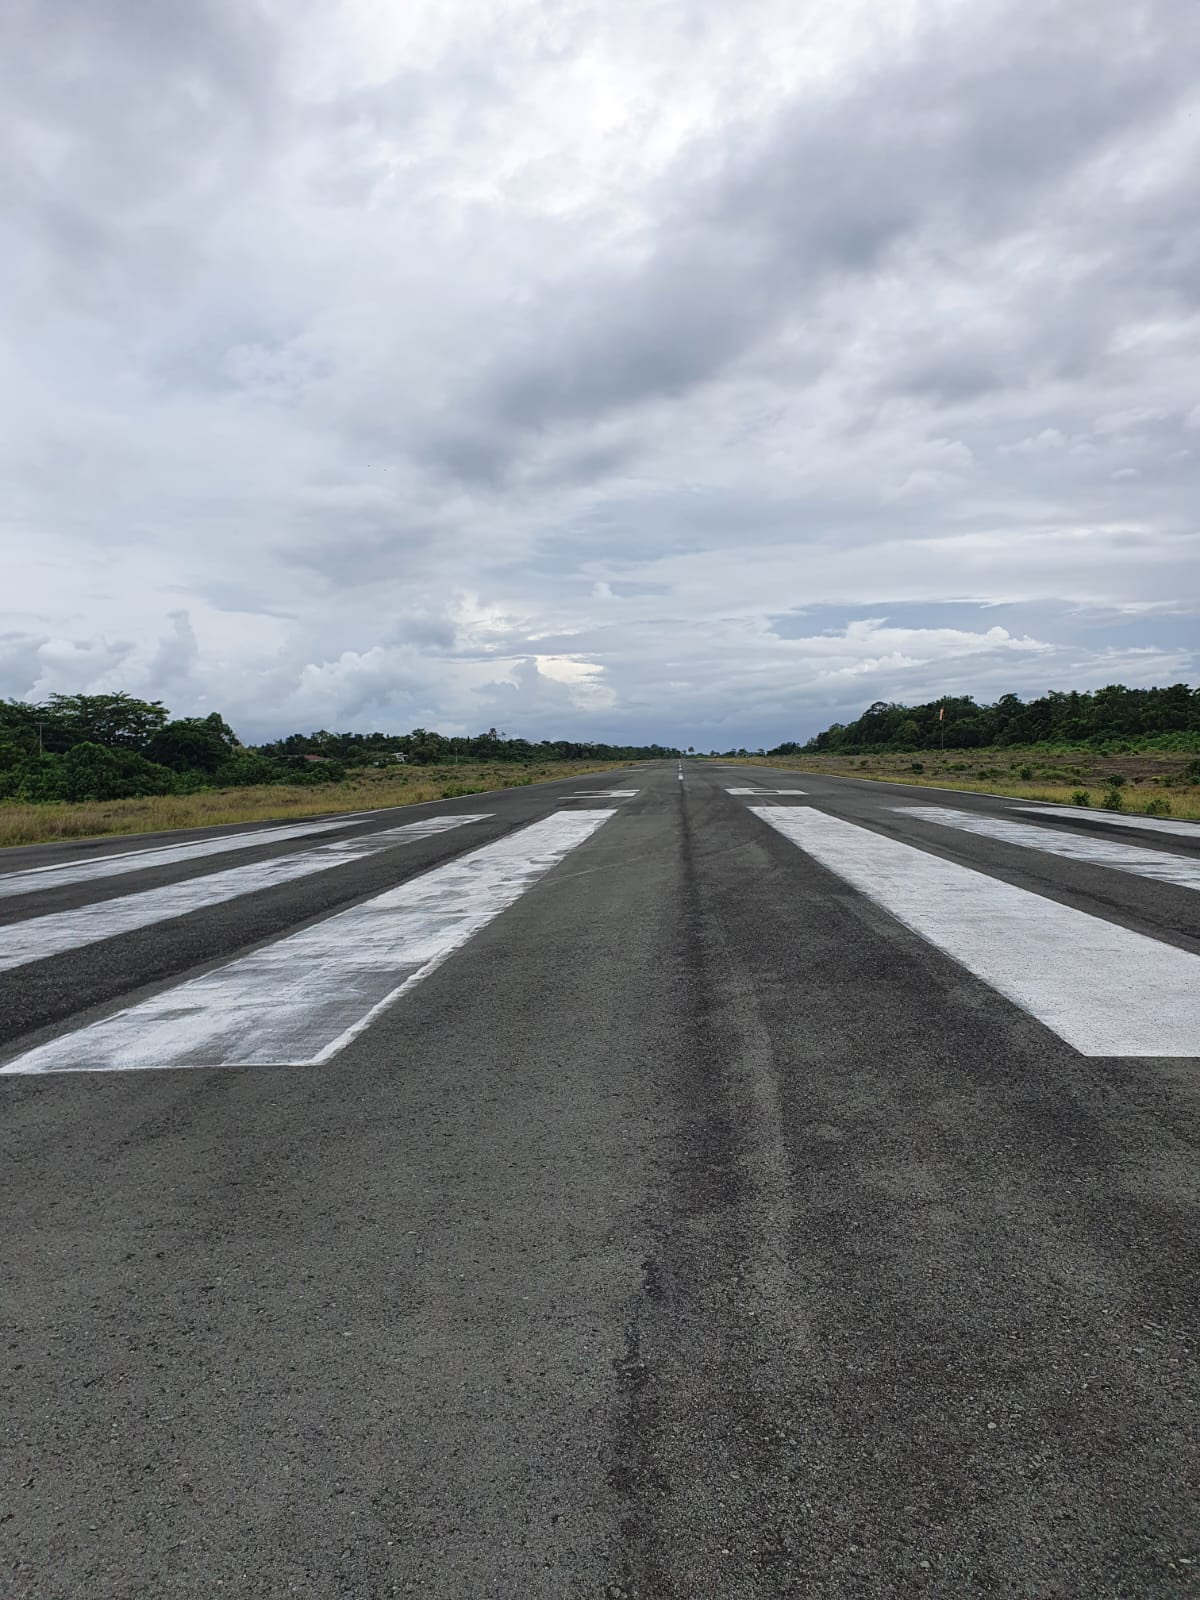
x: 603, y: 794
x: 39, y: 937
x: 1101, y: 988
x: 764, y: 791
x: 34, y: 880
x: 1118, y: 819
x: 301, y: 999
x: 1156, y: 864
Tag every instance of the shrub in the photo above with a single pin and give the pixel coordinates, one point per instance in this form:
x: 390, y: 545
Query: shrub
x: 1114, y: 780
x: 245, y: 770
x: 1081, y: 798
x: 1160, y: 806
x: 1112, y: 799
x: 916, y: 766
x: 90, y: 772
x: 1025, y: 774
x: 314, y: 772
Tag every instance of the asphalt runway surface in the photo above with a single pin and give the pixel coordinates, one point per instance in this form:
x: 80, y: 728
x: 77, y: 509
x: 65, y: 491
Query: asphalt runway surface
x: 660, y: 1185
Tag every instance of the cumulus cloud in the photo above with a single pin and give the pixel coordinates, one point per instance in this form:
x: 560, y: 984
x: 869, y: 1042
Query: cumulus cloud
x: 382, y: 366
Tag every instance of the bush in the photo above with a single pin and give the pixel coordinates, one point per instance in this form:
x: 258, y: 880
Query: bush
x: 1081, y: 798
x: 317, y: 772
x: 916, y: 766
x: 242, y: 771
x: 1112, y: 799
x: 89, y: 772
x: 1160, y: 806
x: 1025, y: 774
x: 1114, y: 780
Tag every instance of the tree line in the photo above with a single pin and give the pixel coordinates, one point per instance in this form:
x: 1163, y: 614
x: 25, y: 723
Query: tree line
x: 114, y: 746
x: 1166, y: 718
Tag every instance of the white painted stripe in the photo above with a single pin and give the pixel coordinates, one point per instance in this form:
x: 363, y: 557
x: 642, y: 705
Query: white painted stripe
x: 765, y: 791
x: 743, y: 791
x: 603, y: 794
x: 1119, y: 819
x: 39, y: 937
x: 1101, y: 988
x: 1157, y: 864
x: 301, y: 999
x: 33, y: 880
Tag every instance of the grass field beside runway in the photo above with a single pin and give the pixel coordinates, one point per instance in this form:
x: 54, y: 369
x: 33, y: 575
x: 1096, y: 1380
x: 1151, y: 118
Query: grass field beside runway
x: 1161, y: 780
x: 363, y: 791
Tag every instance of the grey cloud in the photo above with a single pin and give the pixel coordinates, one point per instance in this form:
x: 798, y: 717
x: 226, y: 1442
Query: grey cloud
x: 177, y: 653
x: 127, y: 121
x: 965, y: 140
x: 354, y: 362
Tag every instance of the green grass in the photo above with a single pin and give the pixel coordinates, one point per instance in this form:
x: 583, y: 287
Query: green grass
x: 403, y: 786
x: 1154, y: 783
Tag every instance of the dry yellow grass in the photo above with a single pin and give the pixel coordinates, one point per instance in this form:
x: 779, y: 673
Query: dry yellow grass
x: 1056, y: 776
x: 403, y: 786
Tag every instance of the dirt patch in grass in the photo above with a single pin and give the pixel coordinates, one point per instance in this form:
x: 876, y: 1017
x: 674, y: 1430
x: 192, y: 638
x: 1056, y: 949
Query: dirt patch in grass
x: 367, y: 791
x: 1163, y: 783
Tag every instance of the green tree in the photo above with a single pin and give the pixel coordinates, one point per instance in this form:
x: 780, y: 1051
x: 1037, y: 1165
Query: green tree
x: 116, y: 720
x: 193, y: 744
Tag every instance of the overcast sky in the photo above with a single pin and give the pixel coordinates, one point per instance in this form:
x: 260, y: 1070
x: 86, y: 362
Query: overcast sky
x: 639, y: 369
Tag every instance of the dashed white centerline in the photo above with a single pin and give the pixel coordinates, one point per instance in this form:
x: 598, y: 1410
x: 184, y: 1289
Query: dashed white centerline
x: 1102, y: 988
x: 40, y: 937
x: 300, y: 1000
x: 1158, y: 864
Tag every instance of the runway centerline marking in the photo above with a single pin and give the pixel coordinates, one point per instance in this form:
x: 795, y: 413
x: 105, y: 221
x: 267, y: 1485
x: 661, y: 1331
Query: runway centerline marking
x: 38, y: 938
x: 1183, y: 871
x: 1103, y: 989
x: 299, y: 1000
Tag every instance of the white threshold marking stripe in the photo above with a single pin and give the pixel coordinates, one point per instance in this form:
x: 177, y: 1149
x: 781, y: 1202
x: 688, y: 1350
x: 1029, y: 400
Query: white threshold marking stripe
x: 301, y: 999
x: 37, y: 938
x: 1103, y: 989
x: 603, y: 794
x: 32, y: 880
x: 765, y: 791
x: 1181, y: 870
x: 1118, y: 819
